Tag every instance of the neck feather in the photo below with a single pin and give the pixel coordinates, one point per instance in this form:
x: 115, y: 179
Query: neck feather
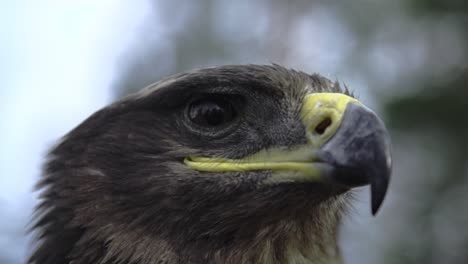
x: 292, y: 241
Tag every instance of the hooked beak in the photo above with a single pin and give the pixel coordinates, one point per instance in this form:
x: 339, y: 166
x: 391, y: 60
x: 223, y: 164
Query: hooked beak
x: 359, y: 153
x: 348, y: 145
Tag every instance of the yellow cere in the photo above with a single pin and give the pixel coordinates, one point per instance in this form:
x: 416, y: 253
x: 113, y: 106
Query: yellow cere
x: 319, y: 106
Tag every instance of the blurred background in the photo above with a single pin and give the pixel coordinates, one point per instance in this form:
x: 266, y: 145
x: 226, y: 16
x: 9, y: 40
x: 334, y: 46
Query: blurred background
x: 408, y: 59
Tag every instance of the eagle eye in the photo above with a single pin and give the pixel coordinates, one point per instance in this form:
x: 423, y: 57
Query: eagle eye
x: 211, y: 111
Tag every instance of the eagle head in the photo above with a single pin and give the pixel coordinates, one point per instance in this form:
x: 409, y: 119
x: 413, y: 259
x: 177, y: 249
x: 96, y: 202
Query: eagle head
x: 232, y: 164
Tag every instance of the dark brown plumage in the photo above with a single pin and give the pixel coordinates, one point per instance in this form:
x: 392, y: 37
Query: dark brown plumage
x: 116, y: 189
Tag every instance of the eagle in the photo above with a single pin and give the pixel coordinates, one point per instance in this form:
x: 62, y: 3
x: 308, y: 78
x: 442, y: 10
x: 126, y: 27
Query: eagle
x: 231, y: 164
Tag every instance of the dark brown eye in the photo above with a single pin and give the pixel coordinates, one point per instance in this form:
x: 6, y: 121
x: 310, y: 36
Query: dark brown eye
x: 211, y: 111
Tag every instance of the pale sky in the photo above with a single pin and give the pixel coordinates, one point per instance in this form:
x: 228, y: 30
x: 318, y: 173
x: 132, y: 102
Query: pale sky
x: 57, y: 64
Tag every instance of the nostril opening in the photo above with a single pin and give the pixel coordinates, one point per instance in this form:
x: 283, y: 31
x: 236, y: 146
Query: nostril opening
x: 322, y: 126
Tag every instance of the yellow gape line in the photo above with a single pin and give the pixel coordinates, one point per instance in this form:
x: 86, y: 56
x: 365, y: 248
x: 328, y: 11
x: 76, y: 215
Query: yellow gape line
x: 227, y: 165
x: 300, y: 162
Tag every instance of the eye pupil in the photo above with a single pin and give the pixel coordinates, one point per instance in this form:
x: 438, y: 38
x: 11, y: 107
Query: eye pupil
x: 211, y: 112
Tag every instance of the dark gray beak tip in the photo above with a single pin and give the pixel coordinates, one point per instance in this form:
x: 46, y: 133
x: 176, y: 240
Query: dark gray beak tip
x: 381, y: 167
x: 379, y: 186
x: 360, y: 153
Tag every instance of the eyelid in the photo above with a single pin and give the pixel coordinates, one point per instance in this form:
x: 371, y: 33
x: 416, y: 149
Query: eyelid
x: 238, y: 103
x: 237, y: 100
